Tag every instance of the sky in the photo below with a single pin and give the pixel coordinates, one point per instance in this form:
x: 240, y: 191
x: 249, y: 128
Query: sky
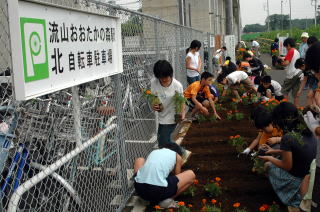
x: 252, y: 11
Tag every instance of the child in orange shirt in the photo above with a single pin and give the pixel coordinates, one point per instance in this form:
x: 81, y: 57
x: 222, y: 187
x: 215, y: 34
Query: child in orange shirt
x: 268, y: 134
x: 200, y: 97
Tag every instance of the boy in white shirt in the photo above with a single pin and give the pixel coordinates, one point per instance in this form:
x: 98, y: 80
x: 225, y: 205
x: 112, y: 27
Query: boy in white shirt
x: 234, y: 80
x: 165, y: 86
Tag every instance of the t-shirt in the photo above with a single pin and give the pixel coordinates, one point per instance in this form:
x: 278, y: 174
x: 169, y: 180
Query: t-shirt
x: 255, y: 44
x: 303, y: 49
x: 277, y: 88
x: 256, y: 66
x: 165, y: 94
x: 196, y: 88
x: 157, y: 167
x: 194, y: 63
x: 214, y: 91
x: 236, y: 76
x: 292, y: 57
x: 263, y: 90
x: 265, y: 136
x: 302, y: 153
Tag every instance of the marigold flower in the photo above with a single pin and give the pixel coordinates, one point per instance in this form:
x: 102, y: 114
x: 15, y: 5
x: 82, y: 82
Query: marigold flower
x: 231, y: 137
x: 237, y: 136
x: 196, y: 182
x: 214, y: 201
x: 203, y: 209
x: 234, y: 100
x: 262, y: 208
x: 236, y: 205
x: 284, y: 100
x: 148, y: 92
x: 204, y: 201
x: 181, y: 204
x: 157, y: 207
x: 170, y: 210
x: 267, y: 104
x: 217, y: 179
x: 190, y: 206
x: 263, y: 102
x: 217, y: 184
x: 211, y: 181
x: 266, y: 206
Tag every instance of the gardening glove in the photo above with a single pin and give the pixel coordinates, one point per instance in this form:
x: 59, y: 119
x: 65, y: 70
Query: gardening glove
x: 246, y: 151
x: 311, y: 122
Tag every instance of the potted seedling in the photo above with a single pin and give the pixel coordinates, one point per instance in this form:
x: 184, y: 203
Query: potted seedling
x: 153, y: 99
x: 179, y: 102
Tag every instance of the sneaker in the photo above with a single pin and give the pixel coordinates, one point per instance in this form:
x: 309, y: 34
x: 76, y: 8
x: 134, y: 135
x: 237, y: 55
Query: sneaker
x: 186, y: 156
x: 168, y: 203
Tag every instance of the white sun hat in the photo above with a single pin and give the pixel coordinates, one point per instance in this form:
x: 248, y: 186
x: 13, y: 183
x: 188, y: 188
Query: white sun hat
x: 305, y: 35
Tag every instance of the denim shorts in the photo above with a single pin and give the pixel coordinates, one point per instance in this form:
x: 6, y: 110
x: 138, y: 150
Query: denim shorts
x: 193, y: 79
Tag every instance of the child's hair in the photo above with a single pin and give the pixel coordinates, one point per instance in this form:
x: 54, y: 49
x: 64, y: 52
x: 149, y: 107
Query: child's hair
x: 312, y: 57
x: 205, y: 75
x: 162, y: 68
x: 221, y: 77
x: 299, y: 63
x: 238, y: 62
x: 225, y: 48
x: 193, y: 45
x: 246, y: 55
x: 262, y: 119
x: 276, y: 40
x: 266, y: 79
x: 257, y: 80
x: 256, y: 111
x: 228, y: 58
x: 312, y: 40
x: 287, y: 118
x: 289, y: 41
x: 174, y: 147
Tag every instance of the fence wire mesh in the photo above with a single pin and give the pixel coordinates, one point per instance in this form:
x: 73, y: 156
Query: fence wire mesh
x: 73, y: 150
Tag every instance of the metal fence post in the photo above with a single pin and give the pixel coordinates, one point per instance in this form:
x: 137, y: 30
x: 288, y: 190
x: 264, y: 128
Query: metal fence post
x: 156, y: 40
x: 119, y: 139
x: 209, y: 54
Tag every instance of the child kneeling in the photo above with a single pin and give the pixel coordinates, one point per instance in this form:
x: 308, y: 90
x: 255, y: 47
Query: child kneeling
x: 153, y: 181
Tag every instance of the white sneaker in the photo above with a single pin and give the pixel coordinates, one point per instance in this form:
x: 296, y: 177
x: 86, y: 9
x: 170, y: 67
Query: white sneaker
x: 168, y: 203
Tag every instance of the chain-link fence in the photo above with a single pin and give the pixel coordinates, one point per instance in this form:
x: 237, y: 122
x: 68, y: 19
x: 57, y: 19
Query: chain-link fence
x: 73, y: 150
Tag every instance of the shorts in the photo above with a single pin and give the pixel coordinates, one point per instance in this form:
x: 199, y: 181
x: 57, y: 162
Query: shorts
x: 155, y: 193
x: 191, y: 80
x: 312, y: 83
x: 292, y: 85
x: 199, y: 99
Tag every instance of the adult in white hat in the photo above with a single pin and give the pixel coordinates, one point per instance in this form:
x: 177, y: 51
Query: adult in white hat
x: 303, y: 46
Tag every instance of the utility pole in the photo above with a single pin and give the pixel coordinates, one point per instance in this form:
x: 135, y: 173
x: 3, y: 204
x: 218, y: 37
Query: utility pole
x: 180, y: 12
x: 290, y: 18
x: 229, y: 17
x: 281, y: 14
x: 315, y: 10
x: 268, y: 13
x: 210, y: 16
x: 189, y: 15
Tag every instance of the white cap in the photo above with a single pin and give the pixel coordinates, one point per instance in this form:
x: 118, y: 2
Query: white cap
x: 305, y: 35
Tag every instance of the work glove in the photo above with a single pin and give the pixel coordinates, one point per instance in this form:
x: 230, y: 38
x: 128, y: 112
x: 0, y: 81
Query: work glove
x: 311, y: 122
x: 246, y: 151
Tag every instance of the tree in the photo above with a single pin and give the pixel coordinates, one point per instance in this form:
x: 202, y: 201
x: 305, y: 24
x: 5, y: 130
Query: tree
x: 275, y: 21
x: 254, y: 28
x: 132, y: 27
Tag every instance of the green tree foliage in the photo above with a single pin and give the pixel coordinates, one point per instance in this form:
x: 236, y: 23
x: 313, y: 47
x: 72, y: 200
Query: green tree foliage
x: 132, y: 27
x: 254, y: 28
x: 276, y: 20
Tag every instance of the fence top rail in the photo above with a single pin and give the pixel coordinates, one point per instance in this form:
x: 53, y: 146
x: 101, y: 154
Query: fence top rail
x: 141, y: 14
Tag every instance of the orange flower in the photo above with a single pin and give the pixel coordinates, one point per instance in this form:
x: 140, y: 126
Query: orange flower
x: 236, y: 205
x: 181, y: 204
x: 189, y: 205
x: 214, y: 201
x: 266, y: 206
x: 196, y: 182
x: 203, y: 209
x: 157, y: 207
x: 237, y: 136
x: 263, y: 102
x: 148, y: 92
x: 231, y: 137
x: 262, y: 208
x: 170, y: 210
x: 234, y: 100
x: 217, y: 179
x: 267, y: 104
x: 284, y: 100
x: 242, y: 50
x: 211, y: 181
x: 204, y: 201
x: 217, y: 184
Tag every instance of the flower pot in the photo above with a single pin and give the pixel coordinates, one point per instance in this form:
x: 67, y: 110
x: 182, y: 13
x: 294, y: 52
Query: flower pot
x: 178, y: 118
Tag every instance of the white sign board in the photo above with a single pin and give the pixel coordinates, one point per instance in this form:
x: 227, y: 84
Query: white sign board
x: 55, y: 48
x: 230, y: 42
x: 212, y: 41
x: 282, y: 49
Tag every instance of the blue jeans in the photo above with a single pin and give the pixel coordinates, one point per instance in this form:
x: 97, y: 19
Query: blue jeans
x: 193, y: 79
x: 164, y: 134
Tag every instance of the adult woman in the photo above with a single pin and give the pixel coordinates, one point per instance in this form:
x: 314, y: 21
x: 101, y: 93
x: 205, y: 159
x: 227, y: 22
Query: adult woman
x: 153, y: 181
x: 297, y: 150
x: 193, y: 62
